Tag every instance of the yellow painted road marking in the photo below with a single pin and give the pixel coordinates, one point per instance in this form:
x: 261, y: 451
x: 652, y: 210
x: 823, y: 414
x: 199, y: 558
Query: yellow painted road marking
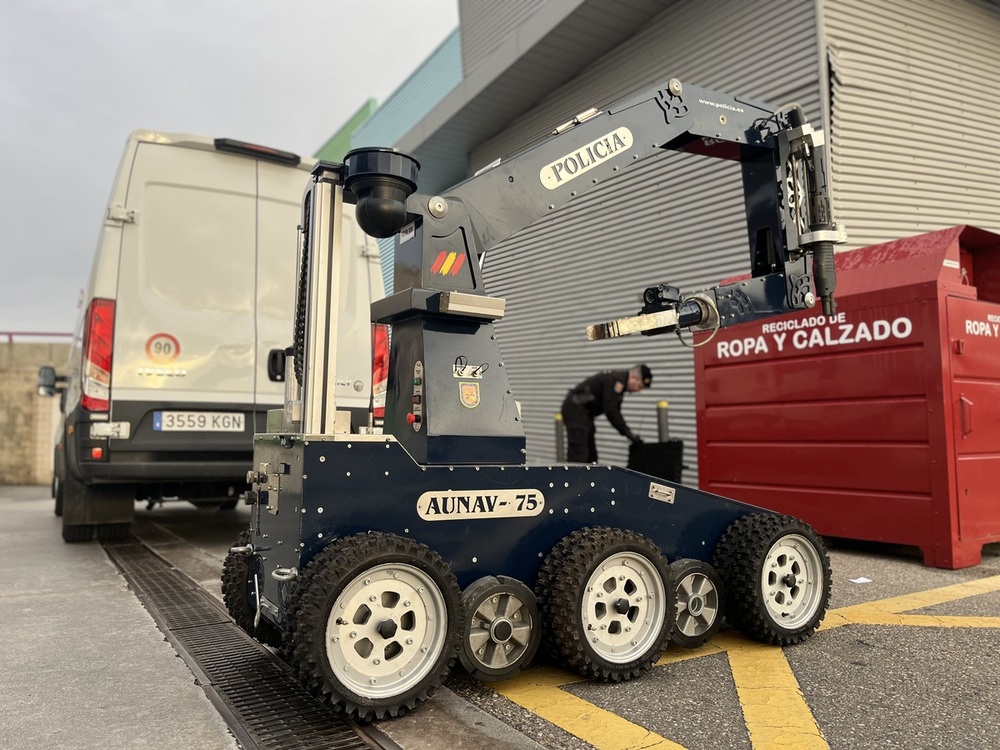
x: 927, y: 621
x: 717, y: 645
x: 776, y: 713
x: 540, y: 691
x: 888, y: 611
x: 774, y: 708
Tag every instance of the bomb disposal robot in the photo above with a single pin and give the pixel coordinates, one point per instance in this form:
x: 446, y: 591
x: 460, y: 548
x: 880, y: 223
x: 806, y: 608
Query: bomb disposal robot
x: 375, y: 561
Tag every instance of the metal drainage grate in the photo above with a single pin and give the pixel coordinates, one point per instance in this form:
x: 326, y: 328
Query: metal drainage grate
x: 253, y: 690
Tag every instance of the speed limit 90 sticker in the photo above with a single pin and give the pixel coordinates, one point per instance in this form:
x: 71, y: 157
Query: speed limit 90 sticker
x: 162, y: 347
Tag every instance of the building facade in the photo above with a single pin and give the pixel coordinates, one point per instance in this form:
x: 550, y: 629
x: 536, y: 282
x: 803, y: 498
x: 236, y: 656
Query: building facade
x: 905, y: 90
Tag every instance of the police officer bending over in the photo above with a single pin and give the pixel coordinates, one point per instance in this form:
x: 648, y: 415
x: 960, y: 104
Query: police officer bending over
x: 599, y: 394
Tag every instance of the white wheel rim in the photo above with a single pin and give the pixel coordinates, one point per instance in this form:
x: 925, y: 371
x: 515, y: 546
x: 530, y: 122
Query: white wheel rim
x: 623, y: 607
x: 697, y: 604
x: 792, y: 581
x: 386, y: 630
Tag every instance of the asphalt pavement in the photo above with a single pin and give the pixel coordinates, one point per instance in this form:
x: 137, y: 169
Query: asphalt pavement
x: 908, y: 657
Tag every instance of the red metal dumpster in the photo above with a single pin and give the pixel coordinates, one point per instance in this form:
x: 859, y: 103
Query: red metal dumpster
x: 881, y: 422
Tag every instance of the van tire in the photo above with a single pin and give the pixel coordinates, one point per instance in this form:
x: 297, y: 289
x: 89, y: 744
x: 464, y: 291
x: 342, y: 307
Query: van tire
x: 111, y: 533
x: 77, y: 533
x: 107, y: 509
x: 57, y: 493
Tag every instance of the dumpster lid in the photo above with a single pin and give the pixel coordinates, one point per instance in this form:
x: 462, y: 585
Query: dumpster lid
x: 959, y: 256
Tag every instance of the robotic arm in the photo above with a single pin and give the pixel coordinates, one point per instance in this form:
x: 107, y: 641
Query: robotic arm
x: 449, y: 400
x: 809, y: 229
x: 783, y: 164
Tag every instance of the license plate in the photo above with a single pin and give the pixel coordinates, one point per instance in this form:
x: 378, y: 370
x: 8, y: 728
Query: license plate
x: 197, y: 421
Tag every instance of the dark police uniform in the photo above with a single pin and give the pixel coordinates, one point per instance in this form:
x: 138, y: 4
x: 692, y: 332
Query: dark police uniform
x: 598, y: 394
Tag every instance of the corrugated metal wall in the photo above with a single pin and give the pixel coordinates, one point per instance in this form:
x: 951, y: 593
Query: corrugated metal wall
x: 915, y: 98
x: 486, y: 24
x: 675, y: 218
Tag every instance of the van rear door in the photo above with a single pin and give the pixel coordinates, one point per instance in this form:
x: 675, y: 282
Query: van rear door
x: 361, y: 284
x: 184, y: 329
x: 278, y: 217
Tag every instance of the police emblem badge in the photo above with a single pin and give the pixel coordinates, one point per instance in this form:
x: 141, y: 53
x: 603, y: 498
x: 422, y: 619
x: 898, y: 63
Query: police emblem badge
x: 470, y: 394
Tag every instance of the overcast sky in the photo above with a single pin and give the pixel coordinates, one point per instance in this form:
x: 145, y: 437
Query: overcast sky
x: 77, y: 76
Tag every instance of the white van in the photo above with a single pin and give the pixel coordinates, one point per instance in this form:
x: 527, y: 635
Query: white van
x: 179, y: 352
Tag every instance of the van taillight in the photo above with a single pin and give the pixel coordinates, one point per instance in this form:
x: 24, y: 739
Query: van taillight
x: 380, y: 368
x: 98, y: 334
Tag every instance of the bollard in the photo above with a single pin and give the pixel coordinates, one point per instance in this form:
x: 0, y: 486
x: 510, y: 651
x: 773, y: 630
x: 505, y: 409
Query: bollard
x: 662, y: 423
x: 560, y: 439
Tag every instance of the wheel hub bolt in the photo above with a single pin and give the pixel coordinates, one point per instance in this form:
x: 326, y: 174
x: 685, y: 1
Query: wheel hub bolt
x: 386, y: 629
x: 789, y: 580
x: 621, y: 606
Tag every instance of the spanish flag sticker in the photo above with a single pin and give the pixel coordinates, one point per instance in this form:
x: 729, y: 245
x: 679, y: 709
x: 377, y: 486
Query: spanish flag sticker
x: 448, y: 264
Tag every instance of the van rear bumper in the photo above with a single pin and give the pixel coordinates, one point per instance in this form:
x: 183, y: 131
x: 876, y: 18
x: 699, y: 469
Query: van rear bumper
x: 125, y: 468
x: 151, y: 456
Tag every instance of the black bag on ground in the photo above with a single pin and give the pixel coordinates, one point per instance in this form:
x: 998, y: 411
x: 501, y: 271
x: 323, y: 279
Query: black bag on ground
x: 664, y: 460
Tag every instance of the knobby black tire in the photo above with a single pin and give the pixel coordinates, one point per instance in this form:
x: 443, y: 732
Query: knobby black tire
x: 573, y: 563
x: 502, y: 628
x: 551, y: 565
x: 237, y: 584
x: 345, y: 566
x: 741, y: 558
x: 700, y: 600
